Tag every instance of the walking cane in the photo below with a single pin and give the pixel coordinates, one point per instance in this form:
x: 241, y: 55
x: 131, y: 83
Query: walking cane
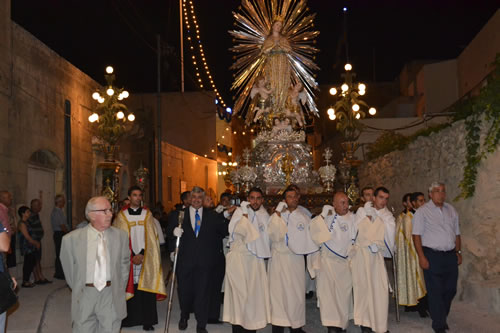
x: 171, y: 294
x: 396, y: 296
x: 395, y: 276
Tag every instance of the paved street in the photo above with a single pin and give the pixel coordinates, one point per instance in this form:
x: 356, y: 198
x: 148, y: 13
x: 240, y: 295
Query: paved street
x: 46, y: 309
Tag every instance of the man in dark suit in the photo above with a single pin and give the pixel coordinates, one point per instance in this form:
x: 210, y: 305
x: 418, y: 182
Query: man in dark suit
x: 96, y: 263
x: 201, y: 233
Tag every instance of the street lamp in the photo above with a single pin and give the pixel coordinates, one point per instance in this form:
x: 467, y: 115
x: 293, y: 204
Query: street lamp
x: 349, y: 108
x: 109, y: 114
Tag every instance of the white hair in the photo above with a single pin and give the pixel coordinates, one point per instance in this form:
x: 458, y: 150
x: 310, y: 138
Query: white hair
x: 197, y: 189
x: 435, y: 184
x: 91, y: 205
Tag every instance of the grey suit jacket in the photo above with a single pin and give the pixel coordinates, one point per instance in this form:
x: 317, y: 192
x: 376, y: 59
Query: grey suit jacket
x: 74, y: 262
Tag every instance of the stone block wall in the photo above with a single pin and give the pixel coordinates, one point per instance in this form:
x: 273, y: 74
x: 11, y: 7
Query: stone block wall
x: 441, y: 157
x: 32, y: 117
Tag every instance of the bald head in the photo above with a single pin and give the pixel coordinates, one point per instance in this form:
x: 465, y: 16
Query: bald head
x: 341, y: 203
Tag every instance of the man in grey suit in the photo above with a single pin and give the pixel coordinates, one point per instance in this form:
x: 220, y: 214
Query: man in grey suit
x: 96, y: 263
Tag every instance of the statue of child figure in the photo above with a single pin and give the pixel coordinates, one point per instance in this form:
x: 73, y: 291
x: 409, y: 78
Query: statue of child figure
x: 263, y: 96
x: 292, y: 105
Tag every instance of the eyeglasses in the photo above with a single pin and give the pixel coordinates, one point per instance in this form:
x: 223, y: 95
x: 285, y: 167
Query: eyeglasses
x: 105, y: 211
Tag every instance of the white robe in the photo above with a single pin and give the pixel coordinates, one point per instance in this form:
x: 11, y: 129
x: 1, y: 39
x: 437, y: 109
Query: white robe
x: 389, y: 229
x: 246, y: 290
x: 334, y: 280
x: 287, y: 268
x: 369, y: 276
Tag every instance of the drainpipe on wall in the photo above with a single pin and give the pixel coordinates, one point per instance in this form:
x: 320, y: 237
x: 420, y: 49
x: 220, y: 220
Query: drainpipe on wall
x: 67, y: 162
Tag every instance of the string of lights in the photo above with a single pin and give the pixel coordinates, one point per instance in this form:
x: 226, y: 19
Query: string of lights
x: 198, y: 54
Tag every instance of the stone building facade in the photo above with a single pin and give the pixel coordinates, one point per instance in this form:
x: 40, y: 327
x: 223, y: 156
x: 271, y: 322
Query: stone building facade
x: 441, y: 157
x: 36, y: 86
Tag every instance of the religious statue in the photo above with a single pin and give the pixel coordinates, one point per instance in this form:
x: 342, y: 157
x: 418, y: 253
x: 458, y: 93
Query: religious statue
x: 276, y: 67
x: 281, y: 125
x: 274, y: 42
x: 293, y: 109
x: 261, y: 98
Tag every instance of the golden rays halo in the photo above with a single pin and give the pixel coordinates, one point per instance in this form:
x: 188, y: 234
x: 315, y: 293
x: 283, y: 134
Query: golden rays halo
x: 253, y: 22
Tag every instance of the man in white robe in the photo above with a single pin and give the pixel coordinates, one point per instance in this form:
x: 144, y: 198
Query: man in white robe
x: 332, y: 230
x: 374, y: 240
x: 290, y: 240
x: 310, y: 281
x: 246, y: 292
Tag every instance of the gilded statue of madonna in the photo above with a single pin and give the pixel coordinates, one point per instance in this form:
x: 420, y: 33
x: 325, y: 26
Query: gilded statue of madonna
x: 274, y: 41
x: 277, y: 68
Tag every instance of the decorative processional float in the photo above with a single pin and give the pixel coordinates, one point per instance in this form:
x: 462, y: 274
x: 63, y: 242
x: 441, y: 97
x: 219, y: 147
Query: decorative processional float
x: 275, y: 85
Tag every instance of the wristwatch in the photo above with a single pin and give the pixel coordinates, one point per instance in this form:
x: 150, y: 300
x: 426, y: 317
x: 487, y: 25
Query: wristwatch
x: 459, y: 251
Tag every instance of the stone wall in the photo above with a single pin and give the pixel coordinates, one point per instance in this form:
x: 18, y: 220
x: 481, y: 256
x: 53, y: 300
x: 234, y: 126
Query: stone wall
x: 441, y: 157
x: 35, y: 83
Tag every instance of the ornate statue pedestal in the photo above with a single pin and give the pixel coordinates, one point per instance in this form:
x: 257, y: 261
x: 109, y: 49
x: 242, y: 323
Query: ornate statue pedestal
x: 282, y: 156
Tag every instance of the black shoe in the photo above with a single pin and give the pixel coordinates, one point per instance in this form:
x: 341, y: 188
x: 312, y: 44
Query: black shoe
x: 365, y: 329
x: 297, y: 330
x: 214, y: 321
x: 183, y: 324
x: 27, y: 285
x: 442, y: 330
x: 423, y: 313
x: 277, y: 329
x: 310, y: 295
x: 332, y: 329
x: 148, y: 327
x: 201, y: 330
x: 59, y: 277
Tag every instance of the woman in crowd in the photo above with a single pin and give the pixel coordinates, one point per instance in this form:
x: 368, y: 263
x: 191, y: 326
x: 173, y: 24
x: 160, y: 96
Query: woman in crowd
x: 29, y: 246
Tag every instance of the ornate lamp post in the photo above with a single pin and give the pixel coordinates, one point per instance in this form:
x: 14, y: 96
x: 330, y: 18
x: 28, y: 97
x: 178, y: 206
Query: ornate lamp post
x: 110, y: 115
x: 348, y: 110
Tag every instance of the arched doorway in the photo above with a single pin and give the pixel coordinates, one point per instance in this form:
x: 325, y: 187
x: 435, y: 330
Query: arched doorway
x: 45, y: 180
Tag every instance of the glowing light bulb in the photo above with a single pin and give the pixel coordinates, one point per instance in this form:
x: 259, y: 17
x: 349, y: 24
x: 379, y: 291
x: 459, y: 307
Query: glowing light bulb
x: 229, y: 154
x: 96, y: 95
x: 332, y: 116
x: 333, y: 91
x: 93, y: 117
x: 345, y: 87
x: 358, y: 116
x: 101, y: 99
x: 361, y: 92
x: 224, y: 163
x: 348, y: 67
x: 120, y: 115
x: 110, y: 92
x: 361, y: 86
x: 125, y: 94
x: 109, y: 70
x: 331, y: 111
x: 131, y: 117
x: 355, y: 107
x: 372, y: 111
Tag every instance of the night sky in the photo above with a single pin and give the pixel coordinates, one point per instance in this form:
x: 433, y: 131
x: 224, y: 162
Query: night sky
x: 382, y: 35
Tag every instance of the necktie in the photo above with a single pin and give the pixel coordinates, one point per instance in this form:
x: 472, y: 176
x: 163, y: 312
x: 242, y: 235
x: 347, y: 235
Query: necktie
x: 197, y: 223
x: 100, y: 264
